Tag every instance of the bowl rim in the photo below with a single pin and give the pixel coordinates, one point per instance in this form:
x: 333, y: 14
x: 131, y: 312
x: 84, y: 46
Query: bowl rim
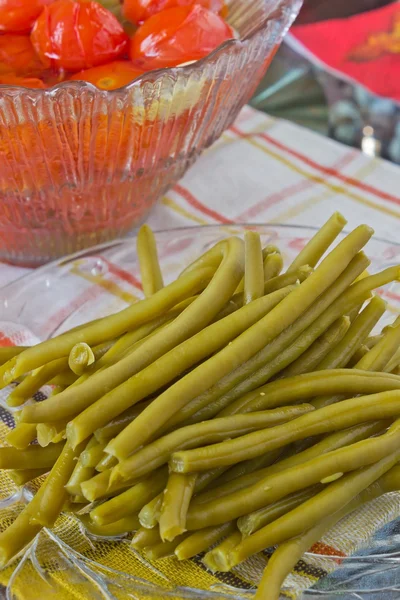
x: 156, y: 74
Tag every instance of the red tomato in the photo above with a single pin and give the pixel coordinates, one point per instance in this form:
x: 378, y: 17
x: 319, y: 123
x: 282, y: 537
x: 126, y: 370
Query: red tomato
x: 77, y: 35
x: 138, y: 11
x: 110, y: 76
x: 20, y: 15
x: 29, y: 82
x: 178, y: 35
x: 18, y: 56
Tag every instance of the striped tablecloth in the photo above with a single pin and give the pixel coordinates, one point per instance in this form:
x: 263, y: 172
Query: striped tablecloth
x: 269, y: 170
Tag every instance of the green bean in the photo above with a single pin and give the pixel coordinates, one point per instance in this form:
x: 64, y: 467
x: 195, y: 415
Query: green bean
x: 273, y: 265
x: 80, y: 357
x: 358, y: 355
x: 150, y: 513
x: 33, y: 457
x: 270, y: 249
x: 158, y: 452
x: 99, y: 487
x: 22, y: 476
x: 107, y: 328
x: 51, y: 497
x: 63, y: 380
x: 167, y: 368
x: 308, y: 385
x: 345, y: 414
x: 379, y: 355
x: 253, y: 273
x: 188, y: 323
x: 92, y: 455
x: 8, y: 352
x: 281, y: 281
x: 48, y: 433
x: 17, y: 535
x: 309, y: 360
x: 21, y: 436
x: 320, y: 242
x: 80, y: 473
x: 202, y: 540
x: 115, y: 426
x: 254, y: 521
x: 242, y: 348
x: 328, y: 444
x: 216, y: 558
x: 246, y: 467
x: 125, y: 525
x: 393, y: 362
x: 145, y: 537
x: 229, y: 388
x: 130, y: 501
x: 106, y: 462
x: 33, y: 382
x: 163, y: 549
x: 331, y: 500
x: 152, y: 280
x: 286, y: 556
x: 177, y: 496
x: 357, y: 334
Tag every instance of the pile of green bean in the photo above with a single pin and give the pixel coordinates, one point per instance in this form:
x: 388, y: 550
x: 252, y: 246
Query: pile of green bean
x: 237, y: 408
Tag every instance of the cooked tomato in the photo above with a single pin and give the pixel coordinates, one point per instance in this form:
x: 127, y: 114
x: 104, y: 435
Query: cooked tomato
x: 29, y: 82
x: 78, y: 35
x: 138, y: 11
x: 110, y: 76
x: 18, y: 56
x: 178, y: 35
x: 20, y: 15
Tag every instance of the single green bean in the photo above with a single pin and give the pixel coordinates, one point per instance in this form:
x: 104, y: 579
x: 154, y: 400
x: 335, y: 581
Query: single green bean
x: 80, y: 473
x: 115, y: 426
x: 158, y: 452
x: 216, y: 558
x: 308, y: 385
x: 356, y: 335
x: 8, y: 352
x: 379, y: 355
x: 17, y: 535
x: 331, y: 500
x: 33, y: 457
x: 150, y: 513
x: 309, y: 360
x: 50, y: 433
x: 164, y: 549
x: 52, y: 495
x: 202, y: 540
x: 80, y: 357
x: 63, y: 380
x: 273, y: 265
x: 106, y: 462
x: 280, y: 281
x: 242, y: 348
x: 117, y: 528
x: 177, y: 496
x: 152, y: 280
x: 330, y: 443
x: 99, y: 487
x: 21, y: 436
x: 253, y: 273
x: 358, y: 355
x: 330, y: 418
x: 254, y: 521
x: 167, y: 368
x: 320, y: 242
x: 145, y: 537
x: 130, y: 501
x: 217, y: 397
x: 107, y: 328
x: 92, y: 455
x: 188, y: 323
x: 22, y: 476
x: 246, y: 467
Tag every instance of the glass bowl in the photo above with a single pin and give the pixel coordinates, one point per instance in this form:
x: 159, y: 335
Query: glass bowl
x: 105, y: 279
x: 80, y: 166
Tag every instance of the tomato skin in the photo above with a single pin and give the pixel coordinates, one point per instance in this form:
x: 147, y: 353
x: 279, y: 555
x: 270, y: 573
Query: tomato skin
x: 19, y: 15
x: 138, y: 11
x: 76, y: 35
x: 176, y: 36
x: 110, y: 76
x: 29, y: 82
x: 18, y: 56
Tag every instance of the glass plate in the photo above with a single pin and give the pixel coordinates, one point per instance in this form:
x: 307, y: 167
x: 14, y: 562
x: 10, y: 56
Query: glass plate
x: 103, y: 280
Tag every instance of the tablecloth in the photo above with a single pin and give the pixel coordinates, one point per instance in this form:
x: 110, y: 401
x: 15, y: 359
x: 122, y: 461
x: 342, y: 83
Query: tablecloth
x: 266, y: 170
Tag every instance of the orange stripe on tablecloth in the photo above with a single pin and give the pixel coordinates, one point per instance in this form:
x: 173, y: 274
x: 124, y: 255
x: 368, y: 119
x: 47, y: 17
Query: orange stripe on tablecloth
x: 327, y: 550
x: 111, y: 287
x: 5, y: 340
x: 167, y: 201
x: 291, y: 190
x: 317, y: 178
x: 190, y: 199
x: 331, y: 171
x: 121, y: 273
